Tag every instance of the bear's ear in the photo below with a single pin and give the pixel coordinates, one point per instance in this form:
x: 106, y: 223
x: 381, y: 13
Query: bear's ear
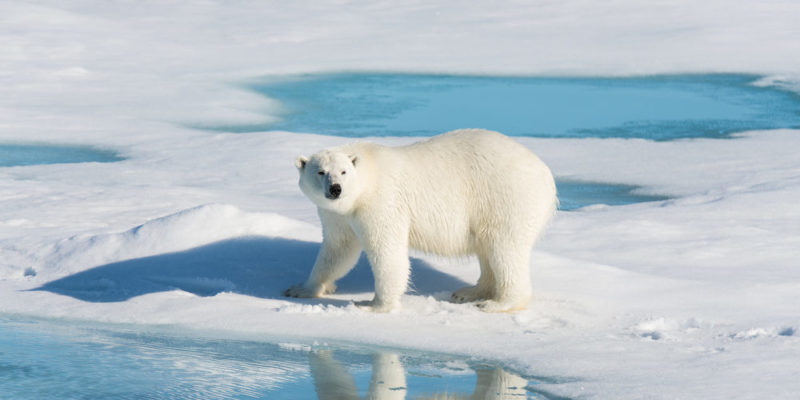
x: 301, y: 162
x: 354, y: 159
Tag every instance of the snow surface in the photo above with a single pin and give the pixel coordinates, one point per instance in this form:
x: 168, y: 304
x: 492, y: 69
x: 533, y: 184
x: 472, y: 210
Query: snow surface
x: 698, y: 296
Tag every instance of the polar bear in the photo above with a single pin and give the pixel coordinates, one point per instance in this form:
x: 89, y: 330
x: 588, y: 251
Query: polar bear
x: 459, y: 193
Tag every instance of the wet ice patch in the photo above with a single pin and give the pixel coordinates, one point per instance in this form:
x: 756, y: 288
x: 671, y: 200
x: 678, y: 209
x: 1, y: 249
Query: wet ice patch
x: 51, y: 359
x: 787, y: 331
x: 36, y: 154
x: 573, y: 195
x: 663, y: 107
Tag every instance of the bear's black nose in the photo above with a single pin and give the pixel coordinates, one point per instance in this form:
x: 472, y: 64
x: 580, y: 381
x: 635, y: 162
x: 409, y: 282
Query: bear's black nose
x: 335, y: 190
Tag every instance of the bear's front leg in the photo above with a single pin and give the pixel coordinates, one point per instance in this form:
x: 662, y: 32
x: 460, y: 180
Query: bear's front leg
x: 337, y: 256
x: 386, y: 246
x: 333, y: 262
x: 391, y: 273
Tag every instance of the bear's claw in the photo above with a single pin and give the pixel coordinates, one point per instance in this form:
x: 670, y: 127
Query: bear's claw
x: 290, y: 292
x: 469, y: 294
x: 303, y: 291
x: 298, y: 291
x: 455, y: 298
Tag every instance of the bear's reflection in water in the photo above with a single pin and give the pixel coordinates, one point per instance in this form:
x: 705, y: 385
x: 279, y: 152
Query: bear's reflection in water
x: 388, y: 381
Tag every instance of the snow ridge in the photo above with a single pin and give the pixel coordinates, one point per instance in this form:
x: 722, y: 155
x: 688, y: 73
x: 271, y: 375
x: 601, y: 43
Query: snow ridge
x: 193, y: 227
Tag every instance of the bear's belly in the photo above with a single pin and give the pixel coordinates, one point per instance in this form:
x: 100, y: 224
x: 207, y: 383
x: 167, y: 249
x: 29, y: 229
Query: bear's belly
x: 442, y: 236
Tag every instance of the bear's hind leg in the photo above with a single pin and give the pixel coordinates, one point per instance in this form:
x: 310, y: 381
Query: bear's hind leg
x: 484, y: 289
x: 510, y: 265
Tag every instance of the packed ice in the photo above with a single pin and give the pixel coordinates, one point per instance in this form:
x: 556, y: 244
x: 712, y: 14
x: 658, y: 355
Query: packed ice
x: 694, y: 296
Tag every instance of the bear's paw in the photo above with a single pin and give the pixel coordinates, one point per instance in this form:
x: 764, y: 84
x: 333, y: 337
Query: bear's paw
x: 306, y: 291
x: 470, y: 294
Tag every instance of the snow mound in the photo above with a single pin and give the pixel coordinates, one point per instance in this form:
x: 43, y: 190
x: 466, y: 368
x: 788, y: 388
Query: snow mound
x: 186, y: 229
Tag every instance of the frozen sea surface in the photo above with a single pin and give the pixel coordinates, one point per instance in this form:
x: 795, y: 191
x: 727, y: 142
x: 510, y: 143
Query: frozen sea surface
x: 47, y: 359
x: 661, y: 107
x: 201, y: 230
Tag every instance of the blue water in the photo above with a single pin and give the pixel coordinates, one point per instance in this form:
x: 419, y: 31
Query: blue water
x: 577, y: 194
x: 653, y: 107
x: 28, y: 154
x: 61, y: 360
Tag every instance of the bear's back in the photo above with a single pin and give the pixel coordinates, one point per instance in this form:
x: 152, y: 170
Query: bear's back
x: 463, y: 187
x: 481, y: 162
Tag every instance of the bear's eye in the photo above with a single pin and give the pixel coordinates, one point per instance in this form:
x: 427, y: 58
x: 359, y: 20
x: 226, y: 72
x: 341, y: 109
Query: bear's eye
x: 321, y: 173
x: 344, y: 172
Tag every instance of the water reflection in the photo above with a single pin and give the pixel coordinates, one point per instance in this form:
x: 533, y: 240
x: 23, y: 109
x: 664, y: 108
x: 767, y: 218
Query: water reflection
x: 388, y: 381
x: 56, y: 359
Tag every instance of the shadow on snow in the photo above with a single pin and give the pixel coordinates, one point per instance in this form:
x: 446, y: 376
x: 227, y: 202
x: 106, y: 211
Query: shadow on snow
x: 254, y: 266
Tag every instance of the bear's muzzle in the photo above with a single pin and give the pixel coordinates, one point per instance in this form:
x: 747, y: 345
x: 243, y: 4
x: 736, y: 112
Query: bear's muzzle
x: 334, y: 191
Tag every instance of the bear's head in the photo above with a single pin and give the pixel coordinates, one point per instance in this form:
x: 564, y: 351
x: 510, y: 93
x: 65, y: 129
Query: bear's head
x: 330, y: 179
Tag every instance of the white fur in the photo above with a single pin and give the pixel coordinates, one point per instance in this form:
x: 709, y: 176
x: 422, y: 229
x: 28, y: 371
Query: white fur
x: 459, y: 193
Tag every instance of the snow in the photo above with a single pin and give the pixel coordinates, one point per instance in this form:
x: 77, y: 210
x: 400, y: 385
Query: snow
x: 691, y: 297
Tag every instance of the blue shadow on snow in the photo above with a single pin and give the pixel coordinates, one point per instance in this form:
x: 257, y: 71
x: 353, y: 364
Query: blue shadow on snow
x: 253, y: 266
